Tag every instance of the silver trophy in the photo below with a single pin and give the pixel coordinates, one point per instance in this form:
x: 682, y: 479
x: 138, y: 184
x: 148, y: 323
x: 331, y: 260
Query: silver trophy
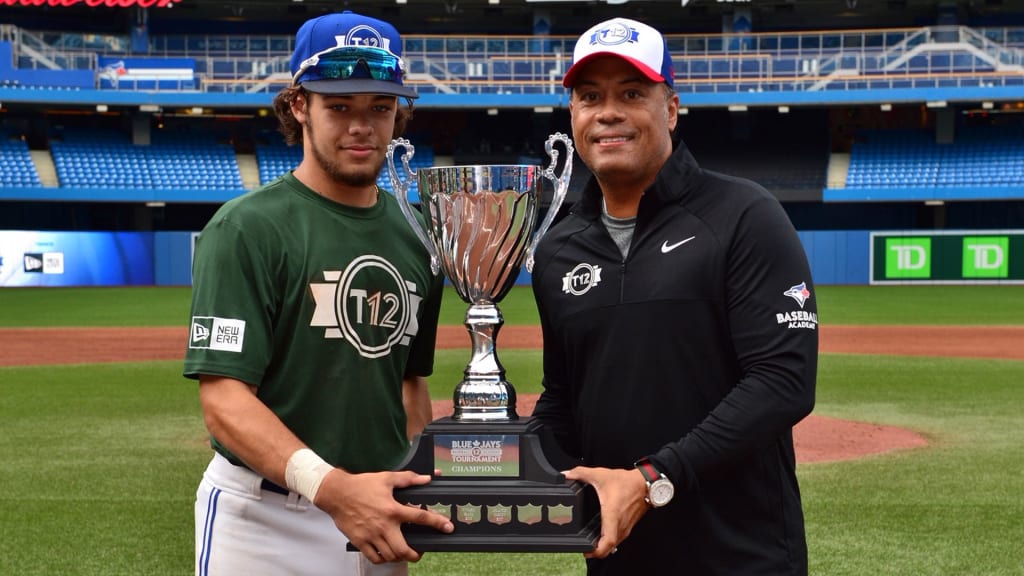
x: 479, y: 229
x: 495, y: 475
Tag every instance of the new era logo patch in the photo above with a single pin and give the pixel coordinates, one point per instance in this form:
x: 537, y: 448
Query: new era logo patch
x: 210, y: 332
x: 199, y: 332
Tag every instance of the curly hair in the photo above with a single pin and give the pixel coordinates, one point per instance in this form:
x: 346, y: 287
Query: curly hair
x: 291, y: 128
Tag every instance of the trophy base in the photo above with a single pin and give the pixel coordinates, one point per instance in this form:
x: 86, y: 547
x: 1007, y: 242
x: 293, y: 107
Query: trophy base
x: 498, y: 483
x: 583, y: 542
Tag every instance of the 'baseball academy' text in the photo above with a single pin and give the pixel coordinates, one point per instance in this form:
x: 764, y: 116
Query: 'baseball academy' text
x: 798, y: 319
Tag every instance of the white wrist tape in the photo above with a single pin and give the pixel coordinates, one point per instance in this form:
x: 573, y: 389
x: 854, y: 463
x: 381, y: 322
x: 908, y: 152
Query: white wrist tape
x: 305, y: 472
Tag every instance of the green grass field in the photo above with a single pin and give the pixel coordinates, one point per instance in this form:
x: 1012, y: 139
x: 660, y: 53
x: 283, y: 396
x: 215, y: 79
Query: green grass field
x: 101, y: 461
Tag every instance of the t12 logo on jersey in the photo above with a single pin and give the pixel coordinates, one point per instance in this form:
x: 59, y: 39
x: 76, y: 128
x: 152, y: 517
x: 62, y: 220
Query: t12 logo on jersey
x: 368, y: 304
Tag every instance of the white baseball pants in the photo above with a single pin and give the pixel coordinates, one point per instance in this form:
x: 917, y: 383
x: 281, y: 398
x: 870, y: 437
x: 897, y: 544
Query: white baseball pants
x: 242, y: 528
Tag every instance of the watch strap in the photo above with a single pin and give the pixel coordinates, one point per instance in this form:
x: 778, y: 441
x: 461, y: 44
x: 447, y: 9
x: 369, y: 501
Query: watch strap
x: 648, y: 470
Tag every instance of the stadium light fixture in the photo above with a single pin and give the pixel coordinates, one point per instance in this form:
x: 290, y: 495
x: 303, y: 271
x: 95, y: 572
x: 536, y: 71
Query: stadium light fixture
x: 783, y: 109
x: 101, y: 107
x: 149, y: 108
x: 401, y: 1
x: 543, y: 109
x: 886, y: 107
x: 987, y: 105
x: 737, y: 108
x: 683, y: 111
x: 492, y: 111
x: 936, y: 104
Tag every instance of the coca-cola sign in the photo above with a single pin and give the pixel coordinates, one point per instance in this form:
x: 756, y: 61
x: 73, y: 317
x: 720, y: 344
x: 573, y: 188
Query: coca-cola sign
x: 92, y: 3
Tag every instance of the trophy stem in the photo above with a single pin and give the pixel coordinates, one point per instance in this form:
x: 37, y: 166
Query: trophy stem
x: 484, y: 395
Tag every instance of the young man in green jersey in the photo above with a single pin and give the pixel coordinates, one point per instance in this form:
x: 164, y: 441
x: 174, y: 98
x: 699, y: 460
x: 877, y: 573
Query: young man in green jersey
x: 314, y: 316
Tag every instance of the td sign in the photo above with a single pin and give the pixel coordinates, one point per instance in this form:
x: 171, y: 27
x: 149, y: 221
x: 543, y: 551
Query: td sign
x: 940, y: 257
x: 986, y: 257
x: 908, y: 257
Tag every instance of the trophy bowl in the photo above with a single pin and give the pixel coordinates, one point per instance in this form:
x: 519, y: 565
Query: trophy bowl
x: 479, y: 229
x: 496, y: 476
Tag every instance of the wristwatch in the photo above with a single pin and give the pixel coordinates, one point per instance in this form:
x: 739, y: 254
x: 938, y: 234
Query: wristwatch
x: 660, y: 489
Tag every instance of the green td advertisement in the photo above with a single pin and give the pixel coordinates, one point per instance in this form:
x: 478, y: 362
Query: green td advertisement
x: 945, y: 257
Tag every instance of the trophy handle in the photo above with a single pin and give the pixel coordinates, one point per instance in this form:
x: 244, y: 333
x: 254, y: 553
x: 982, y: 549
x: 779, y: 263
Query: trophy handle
x: 561, y: 183
x: 402, y: 192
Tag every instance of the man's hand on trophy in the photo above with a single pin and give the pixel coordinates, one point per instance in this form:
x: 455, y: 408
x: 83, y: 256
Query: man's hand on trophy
x: 622, y: 496
x: 365, y: 510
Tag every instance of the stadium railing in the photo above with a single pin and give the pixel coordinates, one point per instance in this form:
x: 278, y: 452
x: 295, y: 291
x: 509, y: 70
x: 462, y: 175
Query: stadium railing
x: 792, y: 61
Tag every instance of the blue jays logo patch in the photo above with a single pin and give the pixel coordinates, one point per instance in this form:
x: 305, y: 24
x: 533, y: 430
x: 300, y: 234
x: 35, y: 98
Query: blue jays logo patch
x: 800, y: 293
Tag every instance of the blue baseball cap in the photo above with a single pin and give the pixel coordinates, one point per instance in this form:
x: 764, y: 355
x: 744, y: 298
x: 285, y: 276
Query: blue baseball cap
x: 348, y: 53
x: 635, y: 42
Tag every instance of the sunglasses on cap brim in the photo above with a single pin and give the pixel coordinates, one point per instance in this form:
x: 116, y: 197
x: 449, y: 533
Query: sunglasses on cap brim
x: 344, y: 62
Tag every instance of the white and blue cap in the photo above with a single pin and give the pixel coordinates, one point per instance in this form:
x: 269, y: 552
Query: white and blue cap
x: 348, y: 53
x: 635, y: 42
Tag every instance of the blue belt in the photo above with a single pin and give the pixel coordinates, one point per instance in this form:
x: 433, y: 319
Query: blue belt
x: 271, y: 487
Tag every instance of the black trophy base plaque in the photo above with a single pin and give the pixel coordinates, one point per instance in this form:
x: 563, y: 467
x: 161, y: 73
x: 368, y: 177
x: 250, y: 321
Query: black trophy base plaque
x: 498, y: 483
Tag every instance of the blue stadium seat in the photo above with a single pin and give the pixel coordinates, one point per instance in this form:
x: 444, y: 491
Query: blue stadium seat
x: 911, y: 158
x: 16, y: 166
x: 172, y: 161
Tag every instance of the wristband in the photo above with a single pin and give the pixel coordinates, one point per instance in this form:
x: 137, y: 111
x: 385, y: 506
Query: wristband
x: 305, y: 472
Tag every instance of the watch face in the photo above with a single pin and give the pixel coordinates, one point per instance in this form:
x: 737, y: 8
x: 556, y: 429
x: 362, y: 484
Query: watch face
x: 661, y: 492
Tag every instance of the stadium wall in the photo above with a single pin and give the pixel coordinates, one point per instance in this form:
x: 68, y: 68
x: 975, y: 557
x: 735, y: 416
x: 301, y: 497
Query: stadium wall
x: 55, y: 80
x: 837, y: 257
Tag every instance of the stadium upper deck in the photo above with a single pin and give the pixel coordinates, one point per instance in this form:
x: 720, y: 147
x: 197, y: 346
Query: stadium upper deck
x: 769, y: 51
x: 472, y: 55
x: 937, y: 63
x: 515, y: 17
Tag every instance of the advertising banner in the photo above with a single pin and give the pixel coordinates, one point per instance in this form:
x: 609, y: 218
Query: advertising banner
x: 34, y: 258
x: 947, y: 257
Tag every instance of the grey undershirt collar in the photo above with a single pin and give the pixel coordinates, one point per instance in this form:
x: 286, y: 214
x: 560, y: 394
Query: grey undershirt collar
x: 620, y: 229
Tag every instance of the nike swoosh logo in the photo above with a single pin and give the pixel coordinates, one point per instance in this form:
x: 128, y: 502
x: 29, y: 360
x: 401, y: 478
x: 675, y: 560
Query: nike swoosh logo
x: 666, y: 247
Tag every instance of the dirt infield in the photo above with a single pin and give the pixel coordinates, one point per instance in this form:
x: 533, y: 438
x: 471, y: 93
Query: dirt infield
x: 817, y: 438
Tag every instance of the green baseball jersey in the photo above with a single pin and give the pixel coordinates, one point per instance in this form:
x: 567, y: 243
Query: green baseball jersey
x: 324, y: 308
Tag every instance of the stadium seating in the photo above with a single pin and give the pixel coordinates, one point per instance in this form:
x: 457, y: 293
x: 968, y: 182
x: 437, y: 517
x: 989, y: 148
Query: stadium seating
x: 911, y: 158
x: 99, y: 159
x: 804, y: 62
x: 274, y: 160
x: 16, y: 167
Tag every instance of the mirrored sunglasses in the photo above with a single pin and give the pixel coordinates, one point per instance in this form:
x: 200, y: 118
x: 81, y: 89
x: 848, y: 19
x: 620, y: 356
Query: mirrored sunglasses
x: 344, y: 62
